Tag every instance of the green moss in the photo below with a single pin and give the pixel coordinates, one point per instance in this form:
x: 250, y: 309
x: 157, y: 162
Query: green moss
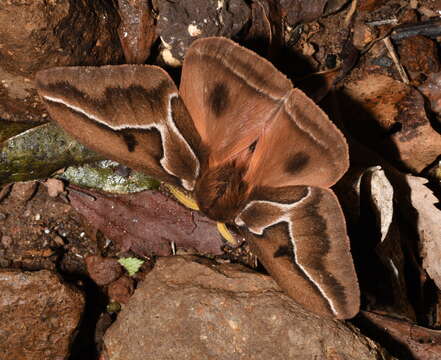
x: 38, y: 152
x: 106, y: 175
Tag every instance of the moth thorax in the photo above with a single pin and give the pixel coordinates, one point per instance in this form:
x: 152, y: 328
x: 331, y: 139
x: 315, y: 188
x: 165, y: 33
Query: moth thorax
x: 220, y: 192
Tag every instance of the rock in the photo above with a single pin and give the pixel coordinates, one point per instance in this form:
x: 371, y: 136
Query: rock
x: 37, y: 34
x: 121, y: 289
x: 22, y: 192
x: 199, y: 309
x: 137, y: 30
x: 182, y: 22
x: 419, y: 54
x: 62, y: 32
x: 54, y: 187
x: 103, y: 270
x: 298, y: 11
x: 38, y: 315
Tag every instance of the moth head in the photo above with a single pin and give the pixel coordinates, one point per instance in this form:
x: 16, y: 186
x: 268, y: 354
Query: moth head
x: 220, y: 192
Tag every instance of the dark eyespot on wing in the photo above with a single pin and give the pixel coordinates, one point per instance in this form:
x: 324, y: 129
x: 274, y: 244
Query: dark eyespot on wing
x: 252, y: 147
x: 297, y: 162
x: 130, y: 141
x: 218, y: 98
x: 284, y: 250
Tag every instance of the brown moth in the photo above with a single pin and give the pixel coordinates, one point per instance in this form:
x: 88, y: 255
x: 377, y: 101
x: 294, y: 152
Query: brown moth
x: 255, y: 152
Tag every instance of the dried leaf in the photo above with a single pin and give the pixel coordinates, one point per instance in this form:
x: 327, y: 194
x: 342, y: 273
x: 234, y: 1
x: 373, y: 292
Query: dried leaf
x: 382, y: 196
x: 147, y: 223
x: 432, y: 90
x: 390, y: 116
x: 416, y: 342
x: 428, y: 218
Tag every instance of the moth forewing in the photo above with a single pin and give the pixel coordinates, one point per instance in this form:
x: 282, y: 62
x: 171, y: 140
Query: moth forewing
x: 130, y: 113
x: 250, y: 147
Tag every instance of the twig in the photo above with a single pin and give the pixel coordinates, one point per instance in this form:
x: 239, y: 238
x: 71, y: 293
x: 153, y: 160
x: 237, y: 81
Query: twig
x: 430, y: 28
x: 383, y: 22
x: 397, y: 63
x: 351, y: 12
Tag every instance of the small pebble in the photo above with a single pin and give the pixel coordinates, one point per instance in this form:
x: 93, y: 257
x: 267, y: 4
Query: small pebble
x: 6, y: 241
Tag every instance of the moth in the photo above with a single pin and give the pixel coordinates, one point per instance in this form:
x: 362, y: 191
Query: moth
x: 255, y: 153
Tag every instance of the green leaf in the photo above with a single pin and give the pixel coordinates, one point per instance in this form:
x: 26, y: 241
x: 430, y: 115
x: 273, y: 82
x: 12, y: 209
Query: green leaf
x: 131, y: 264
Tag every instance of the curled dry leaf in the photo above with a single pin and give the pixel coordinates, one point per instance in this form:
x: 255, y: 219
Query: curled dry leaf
x: 369, y: 203
x: 382, y: 196
x: 260, y: 33
x: 428, y: 218
x: 148, y: 223
x: 416, y: 342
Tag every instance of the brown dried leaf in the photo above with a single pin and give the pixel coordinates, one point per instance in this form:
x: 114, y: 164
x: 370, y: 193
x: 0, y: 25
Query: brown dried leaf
x: 418, y: 54
x: 390, y: 117
x: 148, y: 223
x: 432, y: 90
x: 419, y: 343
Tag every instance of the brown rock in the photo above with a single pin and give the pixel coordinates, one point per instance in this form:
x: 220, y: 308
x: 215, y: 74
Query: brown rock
x: 62, y: 33
x: 419, y: 55
x: 390, y: 117
x: 191, y: 308
x: 54, y: 187
x: 36, y: 34
x: 121, y: 289
x: 103, y: 270
x: 137, y: 30
x: 38, y: 315
x: 298, y: 11
x: 24, y: 191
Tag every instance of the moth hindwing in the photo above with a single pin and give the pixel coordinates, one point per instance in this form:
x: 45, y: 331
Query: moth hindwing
x: 256, y: 153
